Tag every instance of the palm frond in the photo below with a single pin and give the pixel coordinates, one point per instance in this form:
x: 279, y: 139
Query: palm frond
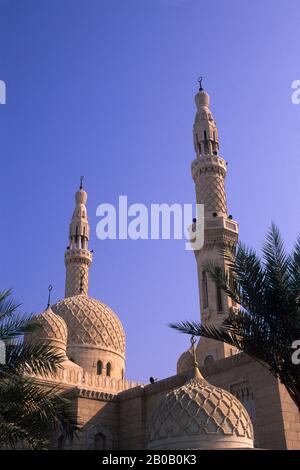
x: 32, y: 358
x: 277, y: 267
x: 267, y: 321
x: 30, y: 410
x: 7, y: 306
x: 36, y: 409
x: 16, y: 326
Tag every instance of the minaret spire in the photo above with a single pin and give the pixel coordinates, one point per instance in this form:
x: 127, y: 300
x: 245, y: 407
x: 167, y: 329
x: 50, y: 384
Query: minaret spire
x: 220, y: 231
x: 209, y: 168
x: 78, y: 257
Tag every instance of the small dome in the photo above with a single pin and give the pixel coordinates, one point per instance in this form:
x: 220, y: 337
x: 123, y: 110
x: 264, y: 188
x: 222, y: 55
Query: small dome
x: 52, y: 328
x: 185, y: 362
x: 200, y: 416
x: 90, y: 322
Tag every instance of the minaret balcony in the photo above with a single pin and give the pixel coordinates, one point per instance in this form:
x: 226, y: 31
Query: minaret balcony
x: 78, y: 254
x: 208, y: 163
x: 221, y: 222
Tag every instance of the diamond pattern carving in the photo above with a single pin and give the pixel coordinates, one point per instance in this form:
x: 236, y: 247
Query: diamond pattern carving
x: 91, y: 322
x: 52, y: 329
x: 211, y: 192
x: 198, y: 408
x: 51, y: 326
x: 73, y: 280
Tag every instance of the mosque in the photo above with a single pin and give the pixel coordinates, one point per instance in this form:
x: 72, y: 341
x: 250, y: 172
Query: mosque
x: 219, y: 398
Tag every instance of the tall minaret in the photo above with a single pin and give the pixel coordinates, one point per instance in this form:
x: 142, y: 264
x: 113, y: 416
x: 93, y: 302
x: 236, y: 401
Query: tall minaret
x: 209, y: 171
x: 78, y: 257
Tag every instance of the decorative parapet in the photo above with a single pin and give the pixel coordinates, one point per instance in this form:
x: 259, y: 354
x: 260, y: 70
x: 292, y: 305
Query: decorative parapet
x: 164, y: 385
x: 223, y: 224
x: 85, y: 380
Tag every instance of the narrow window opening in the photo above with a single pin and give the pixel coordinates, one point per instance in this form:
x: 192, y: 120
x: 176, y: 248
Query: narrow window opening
x: 99, y: 441
x: 204, y: 289
x: 99, y: 367
x: 219, y: 299
x: 209, y: 360
x: 61, y: 442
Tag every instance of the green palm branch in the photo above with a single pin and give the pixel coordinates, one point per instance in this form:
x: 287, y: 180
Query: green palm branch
x: 267, y: 322
x: 30, y: 410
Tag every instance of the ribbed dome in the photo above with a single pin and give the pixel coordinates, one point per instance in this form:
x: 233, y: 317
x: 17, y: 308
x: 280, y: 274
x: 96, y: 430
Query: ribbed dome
x: 185, y: 361
x: 52, y: 328
x: 90, y: 322
x: 200, y: 416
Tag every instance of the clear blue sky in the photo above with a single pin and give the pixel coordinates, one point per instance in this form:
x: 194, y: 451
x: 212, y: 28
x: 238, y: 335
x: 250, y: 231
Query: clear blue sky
x: 105, y: 88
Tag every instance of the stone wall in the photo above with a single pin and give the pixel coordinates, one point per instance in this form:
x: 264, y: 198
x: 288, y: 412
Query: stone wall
x: 121, y: 417
x: 276, y: 419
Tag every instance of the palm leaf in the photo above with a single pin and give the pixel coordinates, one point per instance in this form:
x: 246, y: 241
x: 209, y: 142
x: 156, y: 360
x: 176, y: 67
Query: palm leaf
x: 267, y: 291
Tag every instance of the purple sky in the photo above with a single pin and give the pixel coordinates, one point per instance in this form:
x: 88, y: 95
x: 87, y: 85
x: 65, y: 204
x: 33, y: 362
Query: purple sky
x: 105, y: 88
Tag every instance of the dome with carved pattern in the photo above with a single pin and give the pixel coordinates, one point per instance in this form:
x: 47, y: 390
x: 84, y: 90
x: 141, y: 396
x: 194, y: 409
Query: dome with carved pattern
x: 91, y: 322
x: 51, y: 328
x: 198, y: 415
x: 185, y: 361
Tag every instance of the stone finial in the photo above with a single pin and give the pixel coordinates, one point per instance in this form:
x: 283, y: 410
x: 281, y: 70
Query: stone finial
x: 200, y: 80
x: 49, y: 295
x: 196, y: 372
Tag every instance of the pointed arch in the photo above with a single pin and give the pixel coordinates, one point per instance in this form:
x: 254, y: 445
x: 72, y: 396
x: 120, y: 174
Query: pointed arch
x: 99, y: 367
x: 204, y: 289
x: 108, y: 369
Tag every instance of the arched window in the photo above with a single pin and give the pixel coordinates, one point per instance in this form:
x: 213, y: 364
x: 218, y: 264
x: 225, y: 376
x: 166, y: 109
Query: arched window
x: 108, y: 369
x: 219, y: 299
x: 204, y: 289
x: 208, y: 360
x: 99, y: 367
x: 61, y: 442
x: 99, y: 441
x: 243, y: 392
x: 122, y: 374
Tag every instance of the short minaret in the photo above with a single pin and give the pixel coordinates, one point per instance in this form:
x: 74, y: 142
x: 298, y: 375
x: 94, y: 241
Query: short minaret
x: 220, y: 231
x: 78, y: 257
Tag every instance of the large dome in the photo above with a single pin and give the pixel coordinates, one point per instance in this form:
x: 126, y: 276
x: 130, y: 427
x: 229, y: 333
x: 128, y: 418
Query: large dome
x: 96, y: 338
x: 198, y: 415
x: 90, y: 322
